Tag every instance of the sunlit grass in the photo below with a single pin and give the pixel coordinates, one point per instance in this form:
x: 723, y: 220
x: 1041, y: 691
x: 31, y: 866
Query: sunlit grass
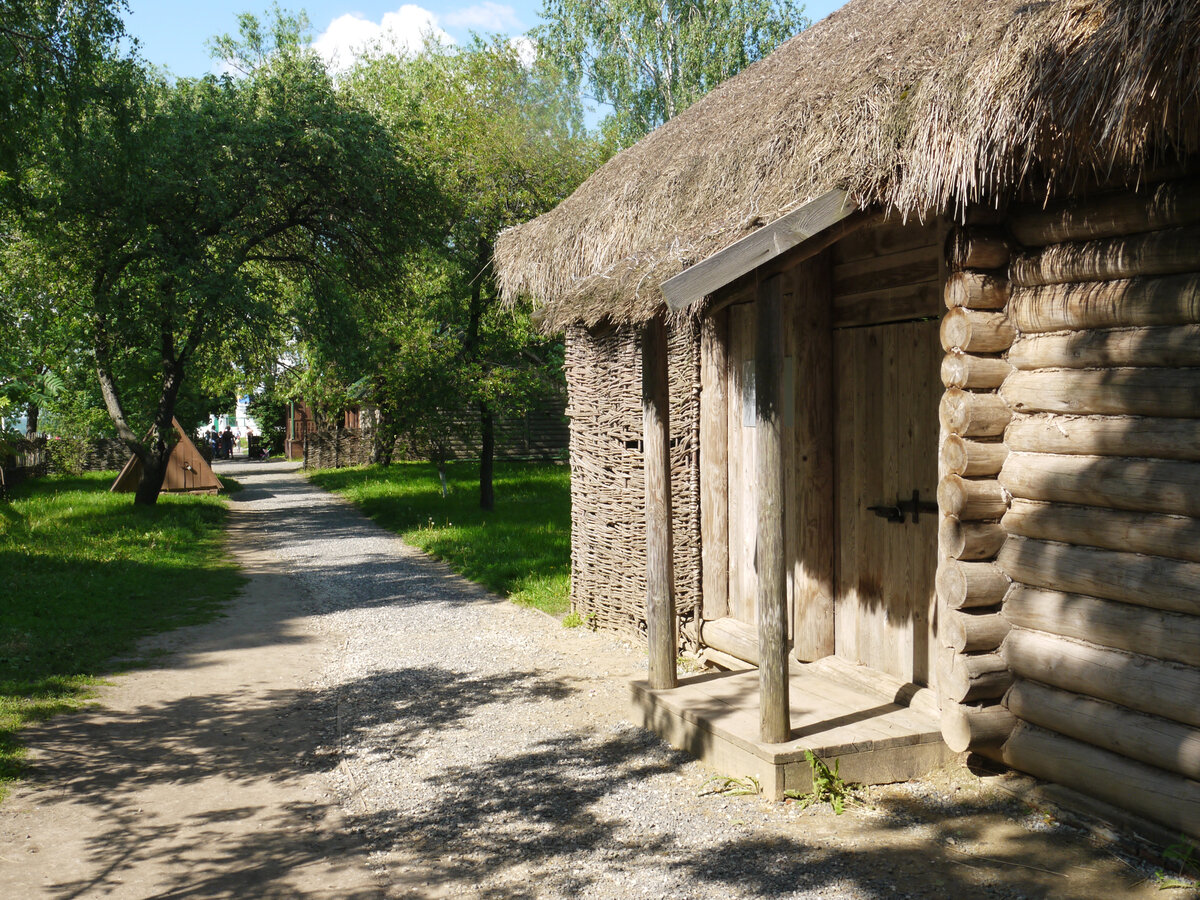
x: 84, y: 574
x: 521, y: 550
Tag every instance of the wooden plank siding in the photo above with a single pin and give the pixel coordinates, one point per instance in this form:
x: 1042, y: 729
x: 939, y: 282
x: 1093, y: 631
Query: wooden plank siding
x: 861, y: 399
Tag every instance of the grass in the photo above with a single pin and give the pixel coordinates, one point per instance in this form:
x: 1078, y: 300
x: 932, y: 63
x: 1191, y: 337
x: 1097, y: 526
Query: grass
x: 84, y: 574
x: 521, y: 550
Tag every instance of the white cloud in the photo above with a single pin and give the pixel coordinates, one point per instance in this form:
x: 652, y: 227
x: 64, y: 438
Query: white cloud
x: 526, y: 49
x: 350, y: 36
x: 486, y: 16
x: 223, y: 67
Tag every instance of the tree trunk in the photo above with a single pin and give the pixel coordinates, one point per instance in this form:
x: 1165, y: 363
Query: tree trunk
x: 154, y: 471
x: 153, y: 456
x: 439, y: 459
x: 487, y: 454
x: 31, y: 420
x: 383, y: 443
x: 472, y: 353
x: 157, y: 455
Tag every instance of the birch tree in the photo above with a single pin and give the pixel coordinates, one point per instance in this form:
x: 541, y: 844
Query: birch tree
x: 651, y: 59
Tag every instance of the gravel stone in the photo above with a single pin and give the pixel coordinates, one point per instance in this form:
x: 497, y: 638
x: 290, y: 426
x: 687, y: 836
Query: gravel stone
x: 484, y: 753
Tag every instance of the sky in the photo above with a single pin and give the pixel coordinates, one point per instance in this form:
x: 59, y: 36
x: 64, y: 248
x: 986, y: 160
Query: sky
x: 173, y: 33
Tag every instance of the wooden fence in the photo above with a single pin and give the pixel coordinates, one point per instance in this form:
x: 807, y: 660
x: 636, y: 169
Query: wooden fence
x: 33, y: 457
x: 542, y: 433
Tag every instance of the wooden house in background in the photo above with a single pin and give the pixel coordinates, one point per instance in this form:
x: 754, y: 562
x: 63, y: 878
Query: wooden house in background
x: 884, y: 372
x: 302, y: 422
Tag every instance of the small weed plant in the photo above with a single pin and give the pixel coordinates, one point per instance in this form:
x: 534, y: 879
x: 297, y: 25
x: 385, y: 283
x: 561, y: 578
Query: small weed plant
x: 1187, y: 858
x: 731, y: 787
x: 574, y: 619
x: 828, y: 786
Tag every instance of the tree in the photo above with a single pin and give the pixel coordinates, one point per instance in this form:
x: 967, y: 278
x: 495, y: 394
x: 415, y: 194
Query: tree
x: 505, y: 142
x: 50, y: 54
x: 50, y: 51
x: 187, y: 209
x: 651, y: 59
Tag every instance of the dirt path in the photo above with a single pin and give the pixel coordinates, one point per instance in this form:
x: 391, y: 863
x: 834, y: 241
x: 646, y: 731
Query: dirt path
x: 364, y: 724
x: 197, y: 777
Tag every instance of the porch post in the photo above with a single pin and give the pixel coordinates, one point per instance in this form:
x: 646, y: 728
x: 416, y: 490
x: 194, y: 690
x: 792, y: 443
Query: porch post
x: 775, y: 719
x: 660, y: 580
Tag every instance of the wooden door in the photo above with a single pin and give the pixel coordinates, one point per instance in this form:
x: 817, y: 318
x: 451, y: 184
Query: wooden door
x: 887, y: 388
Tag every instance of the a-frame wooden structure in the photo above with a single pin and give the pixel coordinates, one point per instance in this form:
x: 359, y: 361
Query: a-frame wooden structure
x: 188, y: 472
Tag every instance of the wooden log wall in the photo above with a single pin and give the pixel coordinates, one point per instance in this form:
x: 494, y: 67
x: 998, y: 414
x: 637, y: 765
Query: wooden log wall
x: 1103, y: 517
x: 976, y: 334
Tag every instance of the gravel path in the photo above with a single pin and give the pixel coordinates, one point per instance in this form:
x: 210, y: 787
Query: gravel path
x: 483, y: 753
x: 362, y: 724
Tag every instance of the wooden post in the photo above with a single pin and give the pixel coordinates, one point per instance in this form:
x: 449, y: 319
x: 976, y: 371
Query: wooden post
x: 775, y: 721
x: 714, y: 464
x: 660, y: 577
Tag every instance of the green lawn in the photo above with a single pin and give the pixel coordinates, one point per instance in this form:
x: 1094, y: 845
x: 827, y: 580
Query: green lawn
x: 83, y: 575
x: 521, y: 550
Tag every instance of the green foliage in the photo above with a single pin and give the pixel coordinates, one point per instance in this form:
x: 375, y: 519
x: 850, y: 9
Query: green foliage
x: 828, y: 786
x: 573, y: 619
x: 191, y: 220
x: 50, y: 54
x: 83, y: 576
x: 504, y: 143
x: 521, y: 550
x: 650, y: 61
x: 1186, y: 858
x: 269, y: 408
x: 731, y: 787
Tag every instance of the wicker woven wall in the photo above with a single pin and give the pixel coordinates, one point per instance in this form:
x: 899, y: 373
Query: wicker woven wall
x: 608, y: 531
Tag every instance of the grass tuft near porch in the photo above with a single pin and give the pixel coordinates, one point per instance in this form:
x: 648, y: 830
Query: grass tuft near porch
x: 84, y: 574
x: 521, y: 550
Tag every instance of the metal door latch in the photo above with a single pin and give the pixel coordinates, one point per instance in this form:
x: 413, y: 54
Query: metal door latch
x: 897, y: 511
x: 891, y: 513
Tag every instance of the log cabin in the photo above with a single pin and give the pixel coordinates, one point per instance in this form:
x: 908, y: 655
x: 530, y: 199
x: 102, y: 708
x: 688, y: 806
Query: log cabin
x: 884, y: 382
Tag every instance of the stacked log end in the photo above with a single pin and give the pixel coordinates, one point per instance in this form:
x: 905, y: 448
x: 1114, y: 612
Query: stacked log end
x: 1102, y: 530
x: 976, y: 335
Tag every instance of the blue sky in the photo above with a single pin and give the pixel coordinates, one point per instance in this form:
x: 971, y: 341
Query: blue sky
x: 173, y: 33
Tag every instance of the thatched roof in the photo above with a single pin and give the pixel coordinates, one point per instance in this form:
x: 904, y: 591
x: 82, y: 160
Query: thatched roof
x: 916, y: 106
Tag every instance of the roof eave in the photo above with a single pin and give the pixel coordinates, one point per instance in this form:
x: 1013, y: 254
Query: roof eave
x: 786, y: 233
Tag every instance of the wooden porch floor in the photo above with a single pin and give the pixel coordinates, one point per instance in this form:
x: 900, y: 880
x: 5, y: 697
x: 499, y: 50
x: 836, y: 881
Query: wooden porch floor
x: 839, y: 712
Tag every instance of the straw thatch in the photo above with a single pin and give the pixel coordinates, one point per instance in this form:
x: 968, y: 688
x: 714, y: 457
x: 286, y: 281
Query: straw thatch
x: 914, y: 106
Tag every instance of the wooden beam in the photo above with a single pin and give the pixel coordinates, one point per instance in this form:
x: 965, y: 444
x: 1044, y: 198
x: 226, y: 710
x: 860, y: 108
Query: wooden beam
x: 660, y: 580
x: 1153, y: 581
x: 1136, y: 681
x: 732, y: 637
x: 714, y: 465
x: 1109, y: 726
x: 1145, y: 790
x: 771, y: 596
x: 974, y: 727
x: 755, y: 249
x: 1155, y: 534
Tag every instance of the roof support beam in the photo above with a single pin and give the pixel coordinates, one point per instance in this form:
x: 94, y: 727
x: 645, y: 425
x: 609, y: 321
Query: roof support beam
x: 660, y: 576
x: 770, y: 564
x: 759, y: 248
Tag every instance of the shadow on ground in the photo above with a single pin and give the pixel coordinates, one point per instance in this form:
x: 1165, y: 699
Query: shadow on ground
x: 551, y: 819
